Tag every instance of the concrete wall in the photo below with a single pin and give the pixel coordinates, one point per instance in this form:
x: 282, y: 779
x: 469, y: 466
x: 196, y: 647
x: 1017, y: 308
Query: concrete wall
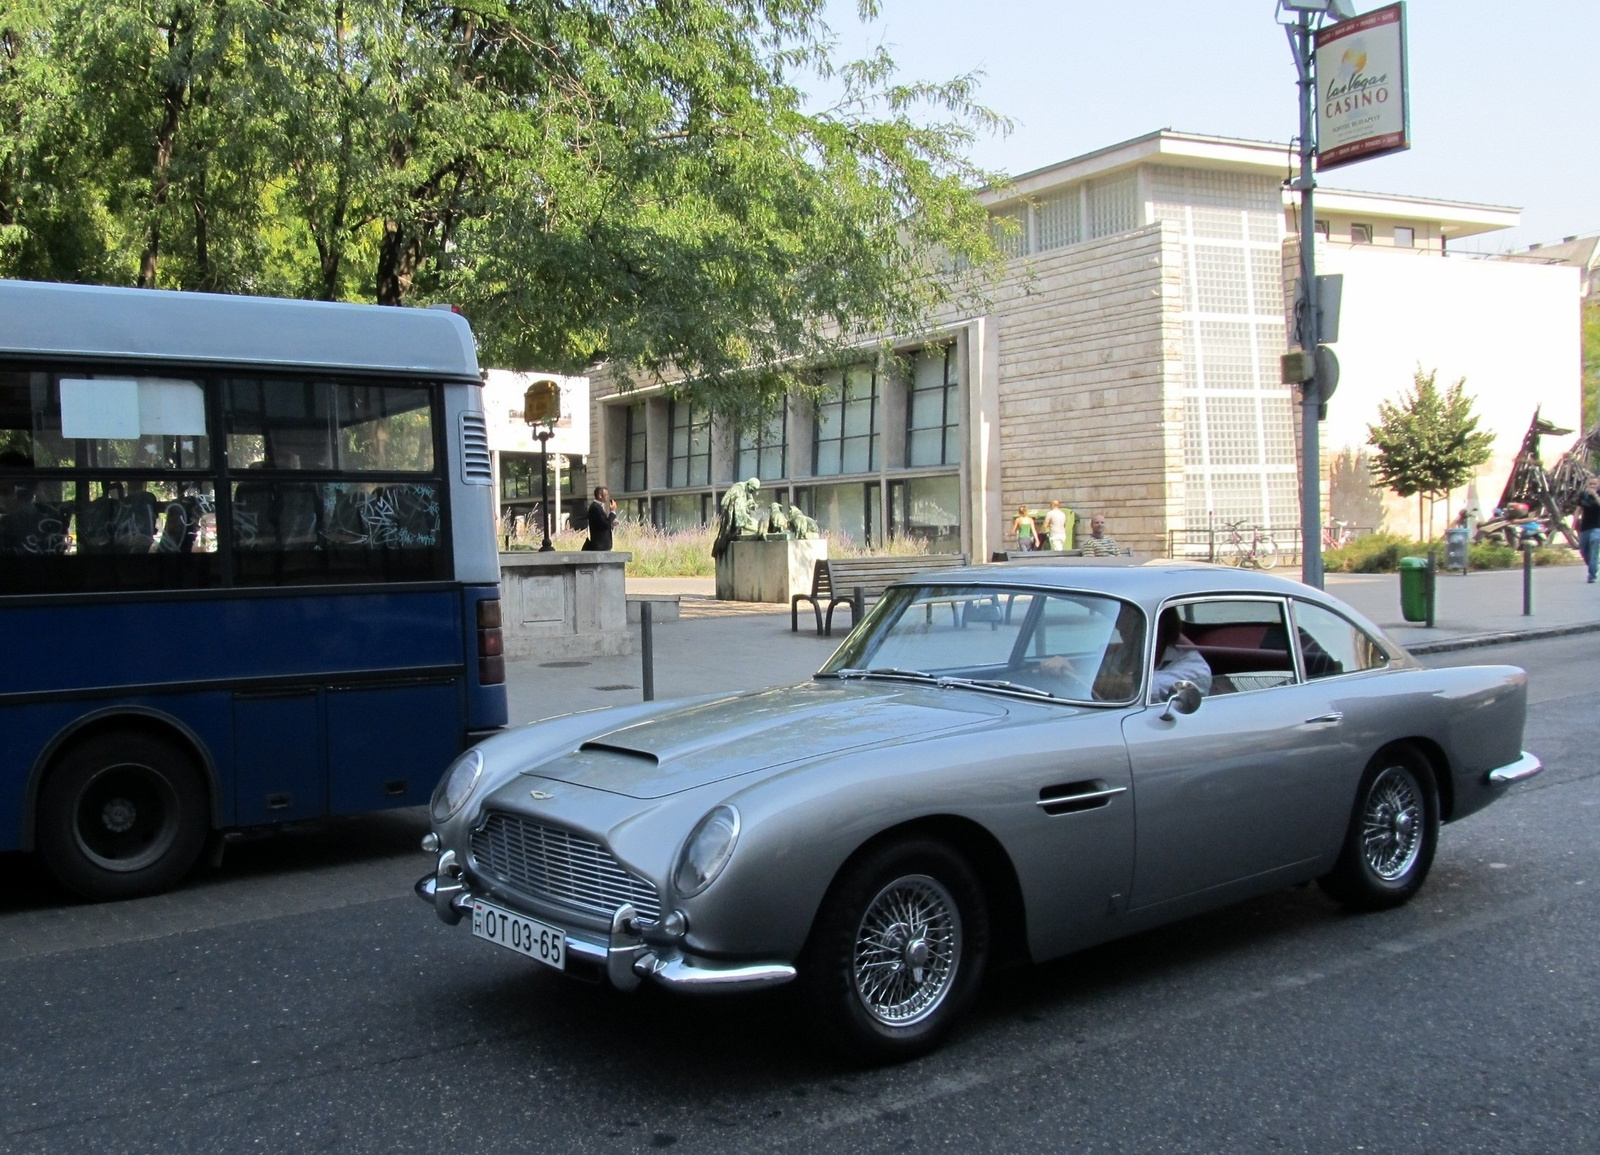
x: 563, y: 604
x: 1088, y: 366
x: 1510, y: 329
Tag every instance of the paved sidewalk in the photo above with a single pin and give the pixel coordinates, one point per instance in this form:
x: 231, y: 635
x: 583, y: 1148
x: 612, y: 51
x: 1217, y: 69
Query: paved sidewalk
x: 1480, y: 608
x: 718, y: 646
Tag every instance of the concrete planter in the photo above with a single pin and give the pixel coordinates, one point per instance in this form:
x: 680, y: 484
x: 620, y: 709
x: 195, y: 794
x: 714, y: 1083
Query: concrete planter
x: 564, y: 605
x: 768, y: 571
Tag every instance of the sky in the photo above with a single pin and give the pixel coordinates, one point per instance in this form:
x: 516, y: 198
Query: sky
x: 1503, y: 110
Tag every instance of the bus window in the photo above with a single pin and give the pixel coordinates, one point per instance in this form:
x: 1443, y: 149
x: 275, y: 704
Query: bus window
x: 324, y: 425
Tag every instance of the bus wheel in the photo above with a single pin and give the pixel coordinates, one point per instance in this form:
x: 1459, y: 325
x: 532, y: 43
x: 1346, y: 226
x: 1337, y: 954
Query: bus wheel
x: 123, y: 814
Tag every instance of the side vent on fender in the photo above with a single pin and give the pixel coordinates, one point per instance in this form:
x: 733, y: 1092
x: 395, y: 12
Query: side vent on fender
x: 1073, y: 797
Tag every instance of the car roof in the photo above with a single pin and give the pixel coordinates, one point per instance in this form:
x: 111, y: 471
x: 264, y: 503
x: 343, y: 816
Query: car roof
x: 1148, y: 584
x: 104, y: 323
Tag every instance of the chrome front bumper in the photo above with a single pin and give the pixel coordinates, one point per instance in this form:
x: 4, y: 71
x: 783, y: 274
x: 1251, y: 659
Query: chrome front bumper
x: 626, y: 958
x: 1524, y: 767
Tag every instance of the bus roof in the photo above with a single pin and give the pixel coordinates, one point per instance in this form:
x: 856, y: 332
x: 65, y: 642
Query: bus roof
x: 95, y: 321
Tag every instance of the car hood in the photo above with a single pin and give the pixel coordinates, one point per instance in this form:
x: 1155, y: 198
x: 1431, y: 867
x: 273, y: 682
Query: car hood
x: 709, y: 741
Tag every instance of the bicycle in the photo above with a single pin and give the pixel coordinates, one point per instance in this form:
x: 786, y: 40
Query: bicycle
x: 1258, y: 552
x: 1337, y: 534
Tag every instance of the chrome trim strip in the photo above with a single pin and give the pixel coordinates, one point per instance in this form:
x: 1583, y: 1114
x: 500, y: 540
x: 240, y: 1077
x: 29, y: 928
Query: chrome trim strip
x: 1065, y: 799
x: 1524, y: 767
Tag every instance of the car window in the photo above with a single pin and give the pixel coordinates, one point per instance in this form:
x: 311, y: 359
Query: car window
x: 1244, y: 643
x: 1080, y: 647
x: 1331, y: 644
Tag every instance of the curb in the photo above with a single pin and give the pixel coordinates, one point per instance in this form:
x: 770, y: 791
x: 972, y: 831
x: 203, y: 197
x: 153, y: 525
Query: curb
x: 1503, y: 638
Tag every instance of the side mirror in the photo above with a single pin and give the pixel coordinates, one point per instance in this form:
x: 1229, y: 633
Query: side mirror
x: 1185, y: 700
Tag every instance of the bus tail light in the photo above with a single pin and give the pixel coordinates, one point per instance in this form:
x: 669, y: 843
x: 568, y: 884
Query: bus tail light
x: 491, y: 644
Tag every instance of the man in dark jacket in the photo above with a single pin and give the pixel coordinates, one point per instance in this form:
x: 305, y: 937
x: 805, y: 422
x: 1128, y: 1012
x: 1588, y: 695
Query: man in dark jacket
x: 1589, y: 524
x: 602, y: 517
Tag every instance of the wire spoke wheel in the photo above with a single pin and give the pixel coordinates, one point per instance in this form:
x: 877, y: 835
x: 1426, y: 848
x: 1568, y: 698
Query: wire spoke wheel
x: 1392, y: 824
x: 907, y: 950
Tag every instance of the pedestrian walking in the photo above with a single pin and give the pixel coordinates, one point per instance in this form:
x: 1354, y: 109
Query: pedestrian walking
x: 1099, y: 543
x: 1026, y: 532
x: 1055, y: 527
x: 602, y: 519
x: 1589, y: 525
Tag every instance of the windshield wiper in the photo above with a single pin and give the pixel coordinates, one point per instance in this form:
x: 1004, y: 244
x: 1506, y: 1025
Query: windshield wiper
x: 997, y: 684
x: 881, y: 672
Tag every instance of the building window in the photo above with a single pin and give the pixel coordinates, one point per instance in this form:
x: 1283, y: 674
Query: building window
x: 635, y: 478
x: 1324, y: 229
x: 933, y: 410
x: 1060, y: 219
x: 1113, y: 206
x: 688, y: 445
x: 928, y: 508
x: 1405, y: 238
x: 847, y: 424
x: 764, y: 452
x: 1360, y: 234
x: 1009, y: 231
x: 848, y: 510
x: 680, y: 511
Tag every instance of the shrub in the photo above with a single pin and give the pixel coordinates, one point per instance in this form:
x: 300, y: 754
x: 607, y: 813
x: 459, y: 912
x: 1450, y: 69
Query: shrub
x: 1381, y: 553
x: 687, y: 552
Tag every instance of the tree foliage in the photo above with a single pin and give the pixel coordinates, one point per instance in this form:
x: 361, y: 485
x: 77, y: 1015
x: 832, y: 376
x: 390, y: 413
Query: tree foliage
x: 1428, y: 442
x: 637, y: 182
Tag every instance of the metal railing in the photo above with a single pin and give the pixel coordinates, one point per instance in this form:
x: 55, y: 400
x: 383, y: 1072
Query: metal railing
x: 1256, y: 547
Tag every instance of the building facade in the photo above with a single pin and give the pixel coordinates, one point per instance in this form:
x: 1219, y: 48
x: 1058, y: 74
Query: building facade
x: 1127, y: 363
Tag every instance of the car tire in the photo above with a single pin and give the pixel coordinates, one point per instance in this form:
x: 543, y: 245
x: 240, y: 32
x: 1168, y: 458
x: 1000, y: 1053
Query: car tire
x: 897, y: 952
x: 122, y: 814
x: 1394, y: 830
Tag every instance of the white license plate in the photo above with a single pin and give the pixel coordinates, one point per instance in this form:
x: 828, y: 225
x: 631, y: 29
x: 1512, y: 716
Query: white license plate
x: 517, y: 932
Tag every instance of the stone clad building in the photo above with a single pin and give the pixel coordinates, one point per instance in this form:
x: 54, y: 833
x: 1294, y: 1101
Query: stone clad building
x: 1128, y: 364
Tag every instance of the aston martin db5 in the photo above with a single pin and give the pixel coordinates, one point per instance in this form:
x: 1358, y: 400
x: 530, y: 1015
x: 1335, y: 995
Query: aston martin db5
x: 999, y: 764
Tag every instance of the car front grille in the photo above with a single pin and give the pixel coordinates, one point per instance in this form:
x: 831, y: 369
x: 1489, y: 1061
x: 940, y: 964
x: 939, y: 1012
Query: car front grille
x: 556, y: 865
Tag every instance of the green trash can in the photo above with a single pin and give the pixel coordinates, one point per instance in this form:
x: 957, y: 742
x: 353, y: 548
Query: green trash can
x: 1414, y: 589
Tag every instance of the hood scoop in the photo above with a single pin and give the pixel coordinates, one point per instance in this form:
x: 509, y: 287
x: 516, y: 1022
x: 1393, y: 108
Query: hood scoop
x: 626, y: 751
x: 693, y: 745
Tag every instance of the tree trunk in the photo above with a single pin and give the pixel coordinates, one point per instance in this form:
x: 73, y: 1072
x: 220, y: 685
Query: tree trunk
x: 172, y: 103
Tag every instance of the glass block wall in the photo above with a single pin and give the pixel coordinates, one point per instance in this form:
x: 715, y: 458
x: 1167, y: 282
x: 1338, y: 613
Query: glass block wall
x: 1239, y: 449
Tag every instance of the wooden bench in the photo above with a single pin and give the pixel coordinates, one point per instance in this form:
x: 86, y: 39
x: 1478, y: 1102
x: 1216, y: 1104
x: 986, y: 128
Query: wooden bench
x: 853, y: 581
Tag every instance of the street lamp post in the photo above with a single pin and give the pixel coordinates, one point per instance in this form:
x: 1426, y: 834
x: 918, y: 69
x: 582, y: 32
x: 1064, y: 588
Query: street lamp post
x: 1301, y: 19
x: 541, y: 406
x: 544, y: 480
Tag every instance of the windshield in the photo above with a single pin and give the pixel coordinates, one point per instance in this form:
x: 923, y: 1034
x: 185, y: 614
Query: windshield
x: 1072, y: 646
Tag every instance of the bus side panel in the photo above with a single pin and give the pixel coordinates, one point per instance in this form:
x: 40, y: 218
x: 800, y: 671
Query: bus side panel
x: 201, y: 720
x: 385, y: 746
x: 314, y: 635
x: 486, y: 705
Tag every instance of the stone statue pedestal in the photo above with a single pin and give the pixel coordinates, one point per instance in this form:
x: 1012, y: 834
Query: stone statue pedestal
x: 768, y: 571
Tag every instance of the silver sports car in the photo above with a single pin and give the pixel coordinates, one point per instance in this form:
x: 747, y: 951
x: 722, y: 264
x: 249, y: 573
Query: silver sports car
x: 1000, y: 763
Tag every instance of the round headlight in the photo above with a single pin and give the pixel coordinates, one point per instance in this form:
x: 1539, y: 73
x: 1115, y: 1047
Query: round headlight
x: 707, y: 851
x: 457, y: 785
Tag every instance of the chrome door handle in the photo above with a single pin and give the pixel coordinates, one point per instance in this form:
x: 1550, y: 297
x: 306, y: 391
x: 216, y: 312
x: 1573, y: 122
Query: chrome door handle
x: 1091, y: 796
x: 1333, y: 717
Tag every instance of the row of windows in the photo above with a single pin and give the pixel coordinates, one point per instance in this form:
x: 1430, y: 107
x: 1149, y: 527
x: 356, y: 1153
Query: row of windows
x: 925, y: 507
x: 128, y: 482
x: 1405, y: 237
x: 846, y: 438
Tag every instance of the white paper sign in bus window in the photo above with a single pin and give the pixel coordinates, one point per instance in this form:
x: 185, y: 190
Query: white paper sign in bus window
x: 1361, y: 88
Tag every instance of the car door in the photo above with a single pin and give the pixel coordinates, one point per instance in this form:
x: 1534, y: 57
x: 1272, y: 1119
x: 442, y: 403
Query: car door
x: 1073, y: 838
x: 1244, y: 786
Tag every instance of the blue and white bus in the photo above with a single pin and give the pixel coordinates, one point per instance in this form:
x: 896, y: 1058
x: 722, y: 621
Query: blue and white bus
x: 247, y: 570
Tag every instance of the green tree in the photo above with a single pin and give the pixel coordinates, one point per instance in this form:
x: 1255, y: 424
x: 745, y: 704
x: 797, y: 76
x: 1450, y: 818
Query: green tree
x: 1428, y: 442
x: 642, y: 183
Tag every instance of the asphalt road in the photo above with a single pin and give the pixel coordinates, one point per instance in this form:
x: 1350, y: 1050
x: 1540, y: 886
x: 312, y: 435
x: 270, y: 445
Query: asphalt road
x: 299, y: 998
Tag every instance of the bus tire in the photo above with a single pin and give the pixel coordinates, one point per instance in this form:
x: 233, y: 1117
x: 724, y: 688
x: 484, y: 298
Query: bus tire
x: 122, y: 814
